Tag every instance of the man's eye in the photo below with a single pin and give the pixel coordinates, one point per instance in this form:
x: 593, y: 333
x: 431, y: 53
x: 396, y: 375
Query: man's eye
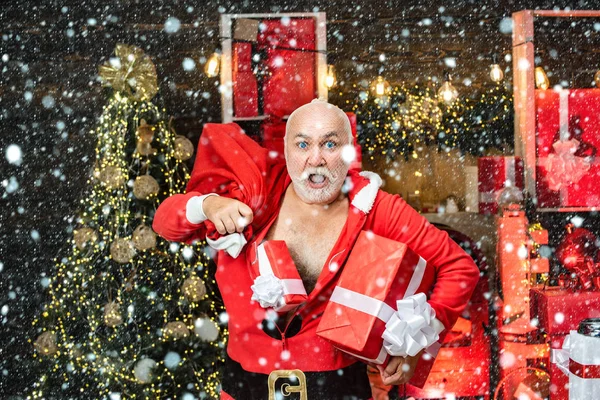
x: 330, y: 145
x: 302, y: 145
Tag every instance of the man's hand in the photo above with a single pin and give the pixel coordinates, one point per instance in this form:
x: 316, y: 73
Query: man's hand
x: 228, y: 215
x: 399, y: 369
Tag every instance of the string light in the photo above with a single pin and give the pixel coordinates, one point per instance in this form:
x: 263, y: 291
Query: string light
x: 496, y: 73
x: 99, y: 356
x: 418, y: 118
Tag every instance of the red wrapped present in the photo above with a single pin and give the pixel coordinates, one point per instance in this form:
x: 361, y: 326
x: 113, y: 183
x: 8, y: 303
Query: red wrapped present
x: 289, y: 46
x: 245, y: 89
x: 560, y: 310
x: 277, y: 282
x: 494, y: 174
x: 378, y: 308
x: 567, y: 140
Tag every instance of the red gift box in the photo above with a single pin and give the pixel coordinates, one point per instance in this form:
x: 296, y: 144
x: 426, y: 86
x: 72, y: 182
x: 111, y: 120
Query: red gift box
x: 560, y: 310
x: 291, y: 61
x: 567, y: 173
x: 276, y: 272
x: 378, y: 273
x: 494, y: 174
x: 245, y: 89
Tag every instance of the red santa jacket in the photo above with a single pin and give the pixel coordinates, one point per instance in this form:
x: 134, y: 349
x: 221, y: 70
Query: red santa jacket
x: 231, y: 164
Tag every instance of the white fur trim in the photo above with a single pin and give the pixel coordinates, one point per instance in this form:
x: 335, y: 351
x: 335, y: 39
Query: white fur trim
x: 232, y: 243
x: 193, y: 209
x: 365, y: 198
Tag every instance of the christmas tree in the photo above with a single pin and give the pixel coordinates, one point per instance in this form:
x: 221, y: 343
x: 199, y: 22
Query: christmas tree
x: 130, y: 315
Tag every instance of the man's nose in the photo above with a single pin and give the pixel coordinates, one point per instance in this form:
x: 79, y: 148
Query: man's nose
x: 315, y: 157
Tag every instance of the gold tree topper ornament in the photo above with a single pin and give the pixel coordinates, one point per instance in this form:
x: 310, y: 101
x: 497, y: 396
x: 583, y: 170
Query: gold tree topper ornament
x: 131, y: 73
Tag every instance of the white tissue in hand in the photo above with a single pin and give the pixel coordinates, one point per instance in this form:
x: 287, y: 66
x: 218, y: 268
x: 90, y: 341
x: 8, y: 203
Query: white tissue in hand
x: 268, y: 290
x: 410, y: 329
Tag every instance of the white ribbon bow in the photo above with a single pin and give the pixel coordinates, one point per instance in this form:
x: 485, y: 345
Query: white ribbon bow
x: 268, y: 290
x: 410, y: 329
x: 560, y: 357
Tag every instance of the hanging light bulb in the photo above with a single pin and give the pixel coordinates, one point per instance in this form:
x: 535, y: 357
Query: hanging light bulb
x: 381, y: 87
x: 597, y: 78
x: 447, y: 92
x: 211, y: 68
x: 541, y: 79
x: 496, y: 73
x: 330, y: 80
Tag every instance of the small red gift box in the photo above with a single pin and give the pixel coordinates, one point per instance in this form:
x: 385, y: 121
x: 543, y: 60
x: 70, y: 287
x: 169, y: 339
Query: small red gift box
x: 278, y: 283
x: 378, y: 273
x: 494, y: 174
x: 560, y: 310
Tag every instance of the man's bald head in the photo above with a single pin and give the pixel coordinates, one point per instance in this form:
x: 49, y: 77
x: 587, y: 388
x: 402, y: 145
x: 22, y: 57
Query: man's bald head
x: 316, y: 136
x: 318, y: 113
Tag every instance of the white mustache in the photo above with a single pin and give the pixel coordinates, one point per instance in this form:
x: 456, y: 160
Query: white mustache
x: 317, y: 171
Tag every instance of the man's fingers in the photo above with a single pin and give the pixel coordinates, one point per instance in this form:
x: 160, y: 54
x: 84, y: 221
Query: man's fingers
x: 246, y: 212
x: 229, y: 224
x: 241, y: 223
x: 392, y: 366
x: 395, y: 379
x: 220, y: 227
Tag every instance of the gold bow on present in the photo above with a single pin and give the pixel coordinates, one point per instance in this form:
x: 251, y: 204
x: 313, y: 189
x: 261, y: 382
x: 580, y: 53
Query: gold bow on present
x: 131, y: 72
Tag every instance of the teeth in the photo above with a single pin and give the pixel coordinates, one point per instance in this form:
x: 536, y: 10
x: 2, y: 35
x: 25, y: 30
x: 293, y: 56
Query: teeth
x: 317, y: 178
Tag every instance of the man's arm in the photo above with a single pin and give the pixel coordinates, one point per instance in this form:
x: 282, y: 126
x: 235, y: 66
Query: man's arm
x: 181, y: 217
x: 455, y: 274
x: 452, y: 271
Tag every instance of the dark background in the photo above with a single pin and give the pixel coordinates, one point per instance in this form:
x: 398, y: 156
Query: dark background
x: 51, y: 50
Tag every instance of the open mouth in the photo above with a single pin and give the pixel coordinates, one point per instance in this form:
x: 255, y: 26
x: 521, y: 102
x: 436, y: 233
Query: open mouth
x: 317, y: 180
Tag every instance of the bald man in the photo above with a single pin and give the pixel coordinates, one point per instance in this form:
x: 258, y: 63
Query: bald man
x: 239, y: 196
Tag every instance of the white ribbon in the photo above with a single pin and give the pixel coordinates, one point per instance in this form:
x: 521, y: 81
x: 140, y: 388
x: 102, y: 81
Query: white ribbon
x: 410, y: 329
x: 560, y: 357
x: 385, y: 313
x: 269, y: 290
x: 232, y: 243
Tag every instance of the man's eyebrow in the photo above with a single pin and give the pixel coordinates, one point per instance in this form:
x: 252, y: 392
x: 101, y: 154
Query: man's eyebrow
x: 330, y: 134
x: 326, y: 136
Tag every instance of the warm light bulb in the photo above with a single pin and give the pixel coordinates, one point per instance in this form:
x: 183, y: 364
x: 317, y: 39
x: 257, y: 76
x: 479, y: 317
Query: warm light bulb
x: 330, y: 80
x: 597, y: 78
x: 381, y: 87
x: 211, y: 68
x: 496, y: 74
x: 541, y: 79
x: 447, y: 92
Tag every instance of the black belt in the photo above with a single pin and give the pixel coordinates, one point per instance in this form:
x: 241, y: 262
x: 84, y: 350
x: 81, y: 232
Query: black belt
x: 350, y: 383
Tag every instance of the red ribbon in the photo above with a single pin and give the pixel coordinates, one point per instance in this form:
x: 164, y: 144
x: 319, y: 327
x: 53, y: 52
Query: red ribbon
x: 584, y: 371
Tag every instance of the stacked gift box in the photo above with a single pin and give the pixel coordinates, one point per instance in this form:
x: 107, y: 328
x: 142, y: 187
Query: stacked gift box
x: 558, y: 311
x: 520, y: 346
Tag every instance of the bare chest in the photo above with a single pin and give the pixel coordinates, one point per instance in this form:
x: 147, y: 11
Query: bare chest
x: 309, y: 239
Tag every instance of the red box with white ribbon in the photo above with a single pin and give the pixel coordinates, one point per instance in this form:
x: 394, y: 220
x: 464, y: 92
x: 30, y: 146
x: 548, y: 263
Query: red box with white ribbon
x: 278, y: 283
x: 566, y: 142
x: 494, y: 174
x: 376, y: 302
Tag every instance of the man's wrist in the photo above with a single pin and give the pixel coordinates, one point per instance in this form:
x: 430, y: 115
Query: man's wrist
x: 194, y: 210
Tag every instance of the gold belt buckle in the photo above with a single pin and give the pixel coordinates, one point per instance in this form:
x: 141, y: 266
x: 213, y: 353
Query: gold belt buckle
x: 286, y: 388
